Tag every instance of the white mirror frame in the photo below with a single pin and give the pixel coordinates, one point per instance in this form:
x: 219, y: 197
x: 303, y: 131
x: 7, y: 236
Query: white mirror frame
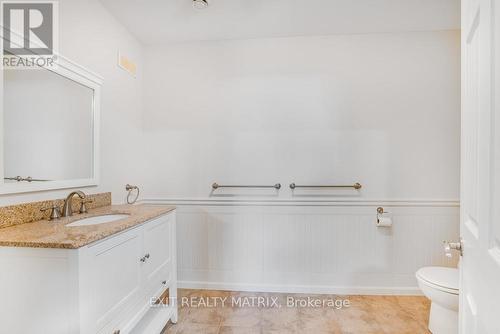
x: 81, y: 75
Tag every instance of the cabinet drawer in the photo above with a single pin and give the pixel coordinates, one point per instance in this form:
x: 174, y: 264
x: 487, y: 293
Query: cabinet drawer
x: 161, y: 281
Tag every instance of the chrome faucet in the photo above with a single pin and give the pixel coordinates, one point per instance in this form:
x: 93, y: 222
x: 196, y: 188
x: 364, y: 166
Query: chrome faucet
x: 68, y: 207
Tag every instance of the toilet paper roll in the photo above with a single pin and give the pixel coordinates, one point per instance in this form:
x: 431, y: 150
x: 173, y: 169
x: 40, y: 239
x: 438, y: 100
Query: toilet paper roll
x: 384, y: 222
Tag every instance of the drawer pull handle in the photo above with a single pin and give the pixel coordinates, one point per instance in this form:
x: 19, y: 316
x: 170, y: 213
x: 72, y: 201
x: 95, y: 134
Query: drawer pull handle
x: 146, y: 256
x: 116, y: 332
x: 164, y: 282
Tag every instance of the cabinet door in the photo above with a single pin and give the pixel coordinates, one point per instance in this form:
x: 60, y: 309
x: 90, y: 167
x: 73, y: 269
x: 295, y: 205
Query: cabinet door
x: 114, y: 275
x: 157, y: 244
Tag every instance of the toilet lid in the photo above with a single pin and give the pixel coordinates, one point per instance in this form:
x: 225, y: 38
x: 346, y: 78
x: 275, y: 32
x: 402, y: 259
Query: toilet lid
x: 440, y: 276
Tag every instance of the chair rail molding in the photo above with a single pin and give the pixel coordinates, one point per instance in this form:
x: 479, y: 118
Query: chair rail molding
x: 300, y: 201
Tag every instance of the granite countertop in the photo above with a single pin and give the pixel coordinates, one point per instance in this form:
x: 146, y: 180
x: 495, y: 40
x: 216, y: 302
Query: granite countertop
x: 55, y: 234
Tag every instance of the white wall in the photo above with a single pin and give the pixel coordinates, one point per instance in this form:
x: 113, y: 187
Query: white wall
x: 381, y: 109
x: 91, y: 37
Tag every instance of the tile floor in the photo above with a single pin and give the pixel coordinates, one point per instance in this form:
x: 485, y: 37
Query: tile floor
x: 364, y: 315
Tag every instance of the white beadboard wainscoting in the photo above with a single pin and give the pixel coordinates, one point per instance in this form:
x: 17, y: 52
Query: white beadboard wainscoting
x: 310, y: 246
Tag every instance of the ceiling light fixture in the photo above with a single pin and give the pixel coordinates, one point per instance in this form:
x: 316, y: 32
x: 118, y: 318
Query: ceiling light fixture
x: 201, y: 4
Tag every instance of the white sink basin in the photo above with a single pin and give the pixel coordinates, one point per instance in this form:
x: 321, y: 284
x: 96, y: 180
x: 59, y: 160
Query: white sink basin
x: 98, y: 220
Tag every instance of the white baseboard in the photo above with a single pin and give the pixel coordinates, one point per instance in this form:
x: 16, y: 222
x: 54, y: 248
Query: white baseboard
x: 313, y: 289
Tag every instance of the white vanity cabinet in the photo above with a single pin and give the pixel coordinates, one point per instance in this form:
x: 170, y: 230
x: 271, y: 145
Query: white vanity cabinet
x: 106, y: 287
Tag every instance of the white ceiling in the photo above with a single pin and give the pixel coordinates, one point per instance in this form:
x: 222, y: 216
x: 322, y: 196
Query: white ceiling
x: 164, y: 21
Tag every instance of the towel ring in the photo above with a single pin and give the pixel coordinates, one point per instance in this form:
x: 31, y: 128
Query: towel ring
x: 130, y: 189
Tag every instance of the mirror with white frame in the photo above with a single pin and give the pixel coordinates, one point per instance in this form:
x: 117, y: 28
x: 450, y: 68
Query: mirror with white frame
x: 50, y: 120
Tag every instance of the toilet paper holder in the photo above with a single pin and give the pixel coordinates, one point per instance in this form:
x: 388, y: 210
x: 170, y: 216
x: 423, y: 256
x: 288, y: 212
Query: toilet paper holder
x: 381, y: 211
x: 383, y: 221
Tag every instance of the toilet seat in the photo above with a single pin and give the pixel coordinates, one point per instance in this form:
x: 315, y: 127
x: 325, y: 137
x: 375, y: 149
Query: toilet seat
x: 440, y: 278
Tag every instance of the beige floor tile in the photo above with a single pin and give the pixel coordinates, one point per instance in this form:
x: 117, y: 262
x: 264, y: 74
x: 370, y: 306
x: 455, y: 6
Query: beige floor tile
x: 204, y: 316
x: 240, y: 330
x: 365, y: 315
x: 198, y: 329
x: 397, y: 321
x: 318, y: 320
x: 241, y: 317
x: 418, y: 307
x: 357, y: 319
x: 280, y: 331
x: 285, y: 319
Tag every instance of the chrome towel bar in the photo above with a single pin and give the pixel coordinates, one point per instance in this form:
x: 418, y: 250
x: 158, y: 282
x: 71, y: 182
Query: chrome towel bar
x: 356, y: 186
x: 277, y: 186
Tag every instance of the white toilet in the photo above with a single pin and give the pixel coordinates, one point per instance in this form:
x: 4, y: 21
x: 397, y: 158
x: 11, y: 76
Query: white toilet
x: 440, y: 285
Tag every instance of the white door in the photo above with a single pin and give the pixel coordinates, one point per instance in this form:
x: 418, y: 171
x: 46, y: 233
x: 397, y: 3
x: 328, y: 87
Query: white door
x: 480, y: 184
